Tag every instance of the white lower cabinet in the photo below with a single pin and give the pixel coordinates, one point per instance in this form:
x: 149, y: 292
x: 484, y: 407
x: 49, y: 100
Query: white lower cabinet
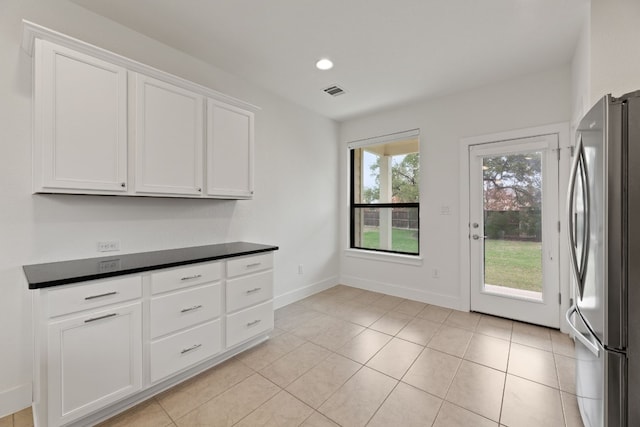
x: 106, y: 344
x: 249, y: 290
x: 93, y: 360
x: 179, y: 351
x: 248, y: 323
x: 103, y: 345
x: 169, y: 313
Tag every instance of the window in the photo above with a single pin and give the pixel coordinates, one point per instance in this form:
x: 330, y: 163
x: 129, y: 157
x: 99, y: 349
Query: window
x: 384, y: 205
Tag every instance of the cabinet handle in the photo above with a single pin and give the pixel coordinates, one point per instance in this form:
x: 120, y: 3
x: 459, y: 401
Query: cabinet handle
x: 93, y: 319
x: 195, y: 276
x: 255, y: 264
x: 101, y: 295
x: 251, y: 291
x: 193, y: 347
x: 255, y: 322
x: 186, y: 310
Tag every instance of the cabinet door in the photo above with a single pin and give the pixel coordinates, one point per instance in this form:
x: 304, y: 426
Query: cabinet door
x: 93, y: 360
x: 80, y: 118
x: 229, y: 151
x: 169, y: 138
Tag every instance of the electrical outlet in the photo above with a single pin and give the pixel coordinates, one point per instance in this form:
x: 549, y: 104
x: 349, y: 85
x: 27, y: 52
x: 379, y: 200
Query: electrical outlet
x: 109, y: 266
x: 300, y: 270
x: 109, y: 246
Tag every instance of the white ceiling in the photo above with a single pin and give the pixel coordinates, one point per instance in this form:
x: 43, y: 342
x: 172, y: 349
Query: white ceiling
x: 386, y: 52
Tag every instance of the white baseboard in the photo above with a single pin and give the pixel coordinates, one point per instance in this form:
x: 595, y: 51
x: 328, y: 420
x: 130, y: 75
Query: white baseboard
x: 15, y: 399
x: 300, y: 293
x: 404, y: 292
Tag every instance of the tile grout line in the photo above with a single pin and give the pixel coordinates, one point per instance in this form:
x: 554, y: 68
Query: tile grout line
x: 337, y: 299
x: 175, y: 421
x: 263, y: 403
x: 562, y: 405
x: 504, y: 385
x: 382, y: 403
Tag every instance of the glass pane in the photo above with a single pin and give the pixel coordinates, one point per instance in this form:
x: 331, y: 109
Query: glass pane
x: 389, y: 229
x: 512, y: 200
x: 387, y: 173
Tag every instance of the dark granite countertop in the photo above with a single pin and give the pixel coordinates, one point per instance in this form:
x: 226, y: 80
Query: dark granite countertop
x: 80, y: 270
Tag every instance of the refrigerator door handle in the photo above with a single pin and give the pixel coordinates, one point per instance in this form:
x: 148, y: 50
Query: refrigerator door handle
x: 579, y: 265
x: 593, y: 348
x: 572, y: 220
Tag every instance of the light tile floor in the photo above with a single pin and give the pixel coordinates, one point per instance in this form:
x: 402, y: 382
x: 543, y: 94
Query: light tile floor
x: 350, y: 357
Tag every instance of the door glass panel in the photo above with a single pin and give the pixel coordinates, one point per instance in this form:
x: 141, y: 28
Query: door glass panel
x: 512, y: 214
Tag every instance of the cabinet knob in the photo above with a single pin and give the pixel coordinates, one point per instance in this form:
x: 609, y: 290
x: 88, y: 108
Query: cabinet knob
x: 199, y: 190
x: 123, y: 185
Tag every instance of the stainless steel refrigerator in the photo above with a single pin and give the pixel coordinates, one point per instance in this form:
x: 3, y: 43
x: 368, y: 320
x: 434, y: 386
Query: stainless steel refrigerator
x: 604, y: 230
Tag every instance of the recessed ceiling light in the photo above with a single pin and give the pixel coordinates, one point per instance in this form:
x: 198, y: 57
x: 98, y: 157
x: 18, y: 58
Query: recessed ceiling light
x: 324, y: 64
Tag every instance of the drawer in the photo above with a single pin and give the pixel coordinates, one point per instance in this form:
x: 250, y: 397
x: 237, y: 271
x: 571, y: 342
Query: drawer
x: 179, y: 351
x: 179, y: 310
x: 182, y: 277
x: 249, y: 264
x: 248, y: 323
x: 249, y: 290
x: 93, y: 294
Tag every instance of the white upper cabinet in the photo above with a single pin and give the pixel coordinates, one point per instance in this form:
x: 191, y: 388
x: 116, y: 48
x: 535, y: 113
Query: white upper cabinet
x: 80, y: 122
x: 229, y: 151
x: 105, y: 124
x: 169, y: 134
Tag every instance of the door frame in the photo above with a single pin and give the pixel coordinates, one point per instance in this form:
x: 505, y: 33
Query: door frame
x: 564, y: 143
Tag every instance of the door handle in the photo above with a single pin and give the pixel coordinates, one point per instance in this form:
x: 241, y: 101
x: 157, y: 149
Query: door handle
x: 578, y: 263
x: 478, y: 237
x: 593, y: 348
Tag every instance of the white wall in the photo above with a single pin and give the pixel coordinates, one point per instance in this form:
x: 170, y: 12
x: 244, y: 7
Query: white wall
x: 615, y: 47
x: 296, y: 177
x: 581, y: 75
x: 526, y: 102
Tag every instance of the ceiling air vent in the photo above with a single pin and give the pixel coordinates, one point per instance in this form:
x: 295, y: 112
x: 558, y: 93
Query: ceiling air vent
x: 334, y: 90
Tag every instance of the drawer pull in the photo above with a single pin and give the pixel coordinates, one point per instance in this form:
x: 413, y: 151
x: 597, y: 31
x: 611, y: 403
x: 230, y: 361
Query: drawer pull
x: 101, y: 295
x: 255, y: 264
x: 252, y: 291
x: 93, y: 319
x: 186, y: 310
x: 195, y: 276
x: 193, y: 347
x: 255, y: 322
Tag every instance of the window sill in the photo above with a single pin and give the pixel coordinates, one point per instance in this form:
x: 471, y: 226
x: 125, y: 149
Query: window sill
x: 384, y: 256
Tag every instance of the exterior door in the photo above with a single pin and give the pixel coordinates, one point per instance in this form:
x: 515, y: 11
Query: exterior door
x: 514, y: 229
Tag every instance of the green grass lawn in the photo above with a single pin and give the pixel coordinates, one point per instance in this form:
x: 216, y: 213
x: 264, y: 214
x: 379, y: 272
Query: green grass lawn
x: 508, y: 263
x: 402, y: 240
x: 513, y: 264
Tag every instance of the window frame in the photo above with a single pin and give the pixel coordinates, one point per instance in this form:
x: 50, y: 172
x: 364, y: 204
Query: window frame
x: 353, y: 206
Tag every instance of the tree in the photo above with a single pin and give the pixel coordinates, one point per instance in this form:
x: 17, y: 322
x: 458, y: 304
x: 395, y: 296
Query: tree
x: 405, y: 175
x: 513, y: 195
x: 512, y: 182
